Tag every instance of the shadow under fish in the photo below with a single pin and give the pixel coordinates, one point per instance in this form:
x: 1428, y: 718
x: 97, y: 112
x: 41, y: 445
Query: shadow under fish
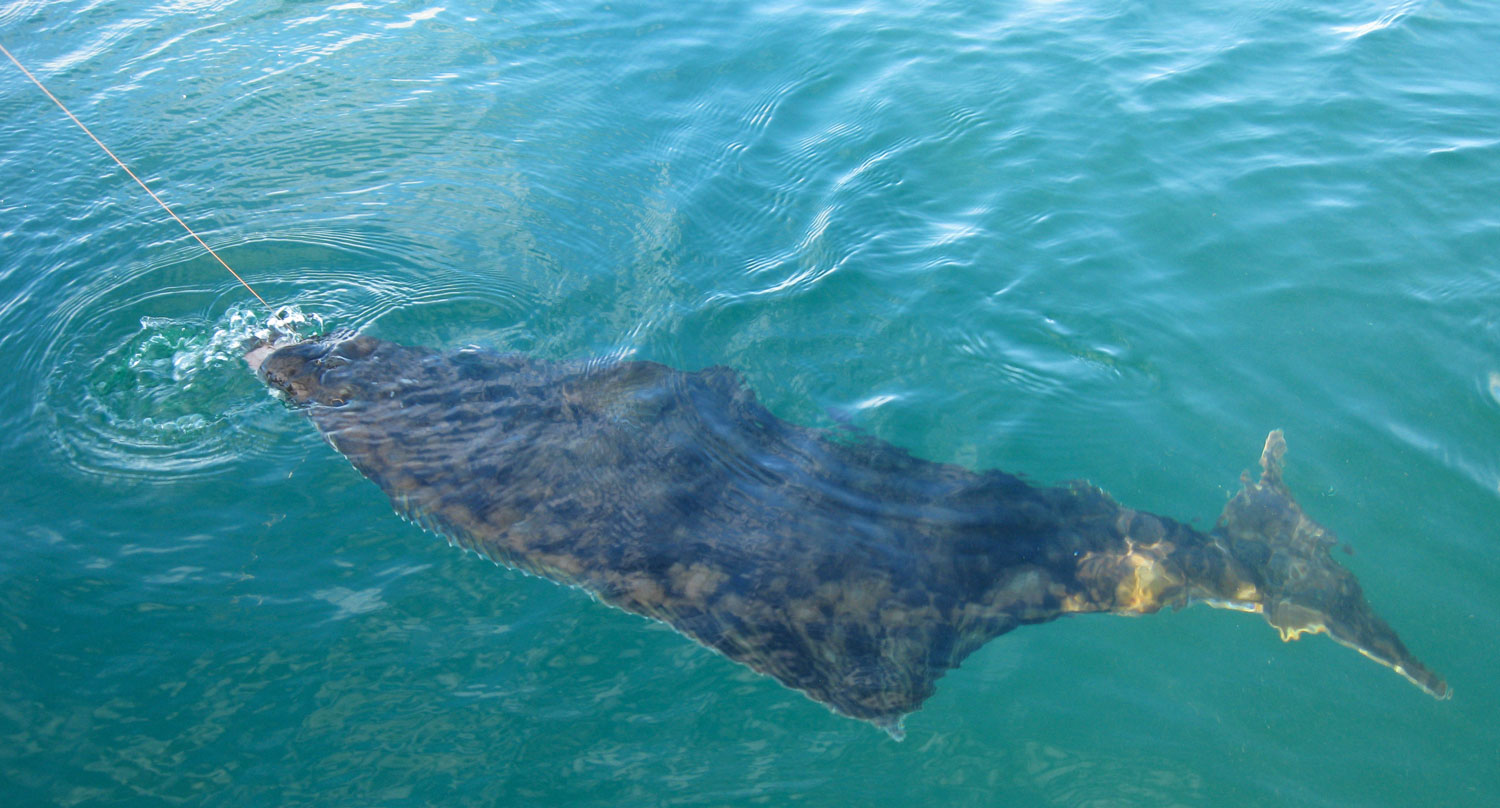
x: 844, y: 568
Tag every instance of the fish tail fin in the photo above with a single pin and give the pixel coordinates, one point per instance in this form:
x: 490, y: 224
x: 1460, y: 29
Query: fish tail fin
x: 1301, y: 588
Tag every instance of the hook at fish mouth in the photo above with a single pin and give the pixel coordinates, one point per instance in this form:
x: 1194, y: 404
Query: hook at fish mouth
x: 279, y: 333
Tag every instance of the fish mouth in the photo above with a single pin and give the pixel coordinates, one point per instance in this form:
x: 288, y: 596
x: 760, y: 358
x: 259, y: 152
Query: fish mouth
x: 307, y: 370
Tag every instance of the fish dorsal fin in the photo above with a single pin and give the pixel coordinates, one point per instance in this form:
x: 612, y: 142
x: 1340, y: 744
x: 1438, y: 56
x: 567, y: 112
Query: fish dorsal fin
x: 1271, y: 460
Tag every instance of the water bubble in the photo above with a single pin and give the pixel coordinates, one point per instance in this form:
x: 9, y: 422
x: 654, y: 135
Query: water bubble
x: 171, y: 399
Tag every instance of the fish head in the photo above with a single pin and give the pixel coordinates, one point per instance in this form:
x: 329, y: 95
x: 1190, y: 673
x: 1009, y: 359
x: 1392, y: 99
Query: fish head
x: 1298, y: 586
x: 312, y: 371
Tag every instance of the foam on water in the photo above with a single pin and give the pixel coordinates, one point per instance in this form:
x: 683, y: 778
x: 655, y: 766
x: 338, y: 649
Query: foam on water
x: 169, y: 400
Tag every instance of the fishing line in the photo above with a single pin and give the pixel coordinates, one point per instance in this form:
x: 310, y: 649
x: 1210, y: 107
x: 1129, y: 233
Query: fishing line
x: 138, y: 181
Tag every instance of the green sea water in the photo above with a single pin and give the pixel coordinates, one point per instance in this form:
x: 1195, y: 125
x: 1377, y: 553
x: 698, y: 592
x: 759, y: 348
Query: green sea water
x: 1096, y: 239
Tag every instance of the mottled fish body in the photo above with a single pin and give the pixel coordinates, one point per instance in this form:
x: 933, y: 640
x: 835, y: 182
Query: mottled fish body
x: 845, y: 568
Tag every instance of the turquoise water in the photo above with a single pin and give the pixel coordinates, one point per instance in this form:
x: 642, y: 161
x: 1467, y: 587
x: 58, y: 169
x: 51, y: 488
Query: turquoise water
x: 1111, y: 240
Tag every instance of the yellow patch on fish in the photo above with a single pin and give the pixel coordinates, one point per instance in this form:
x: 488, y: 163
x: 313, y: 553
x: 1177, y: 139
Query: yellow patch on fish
x: 1141, y: 592
x: 1140, y: 579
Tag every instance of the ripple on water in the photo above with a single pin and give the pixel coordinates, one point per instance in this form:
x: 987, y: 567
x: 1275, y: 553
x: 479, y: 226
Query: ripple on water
x: 167, y: 400
x: 145, y: 375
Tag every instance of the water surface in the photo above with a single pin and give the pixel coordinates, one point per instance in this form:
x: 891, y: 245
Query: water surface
x: 1109, y: 240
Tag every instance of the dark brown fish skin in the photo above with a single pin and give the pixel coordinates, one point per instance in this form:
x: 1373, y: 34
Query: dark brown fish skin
x: 847, y: 569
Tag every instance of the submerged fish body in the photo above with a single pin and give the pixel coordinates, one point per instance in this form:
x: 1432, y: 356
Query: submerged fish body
x: 845, y: 568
